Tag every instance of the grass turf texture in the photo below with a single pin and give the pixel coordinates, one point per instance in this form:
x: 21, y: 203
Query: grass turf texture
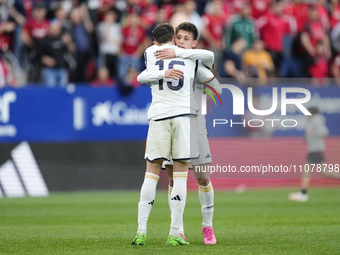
x: 254, y: 222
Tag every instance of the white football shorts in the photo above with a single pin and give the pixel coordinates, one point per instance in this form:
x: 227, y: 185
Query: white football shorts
x: 175, y: 136
x: 204, y: 153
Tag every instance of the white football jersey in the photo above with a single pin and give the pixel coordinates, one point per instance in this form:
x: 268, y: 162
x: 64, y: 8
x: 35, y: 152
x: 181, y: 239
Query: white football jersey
x: 171, y: 98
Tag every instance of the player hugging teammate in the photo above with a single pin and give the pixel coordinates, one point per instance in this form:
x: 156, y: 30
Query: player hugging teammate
x: 173, y: 132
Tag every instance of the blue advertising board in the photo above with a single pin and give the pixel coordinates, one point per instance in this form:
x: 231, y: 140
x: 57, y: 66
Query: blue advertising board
x: 37, y: 114
x: 327, y: 100
x: 72, y: 114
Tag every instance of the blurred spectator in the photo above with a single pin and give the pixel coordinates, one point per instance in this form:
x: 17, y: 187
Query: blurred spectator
x: 334, y: 12
x: 289, y: 66
x: 110, y: 39
x: 335, y: 37
x: 55, y: 46
x: 201, y: 5
x: 242, y: 26
x: 299, y: 10
x: 179, y: 16
x: 168, y: 7
x: 6, y: 75
x: 66, y: 5
x: 111, y: 5
x: 236, y: 6
x: 290, y: 30
x: 194, y: 18
x: 82, y: 42
x: 312, y: 34
x: 66, y: 25
x: 161, y: 17
x: 272, y: 28
x: 24, y: 8
x: 225, y: 12
x: 6, y: 26
x: 320, y: 7
x: 89, y: 16
x: 214, y: 24
x: 257, y: 62
x: 319, y: 67
x: 133, y: 46
x: 259, y: 7
x: 89, y: 11
x: 35, y: 29
x: 103, y: 79
x: 288, y: 15
x: 17, y: 12
x: 233, y: 61
x: 335, y: 69
x: 186, y: 12
x: 148, y: 13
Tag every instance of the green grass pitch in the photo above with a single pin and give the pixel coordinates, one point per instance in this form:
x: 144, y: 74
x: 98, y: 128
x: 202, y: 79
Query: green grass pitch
x: 253, y: 222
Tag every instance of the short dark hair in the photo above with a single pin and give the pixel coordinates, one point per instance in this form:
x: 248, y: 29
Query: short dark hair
x: 163, y: 33
x: 187, y: 26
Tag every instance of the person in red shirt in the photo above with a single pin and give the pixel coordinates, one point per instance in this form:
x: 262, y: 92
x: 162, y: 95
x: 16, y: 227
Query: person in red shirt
x: 300, y: 11
x: 319, y: 68
x: 35, y: 29
x: 259, y: 7
x: 133, y: 46
x: 312, y: 35
x: 273, y: 28
x: 214, y: 24
x: 320, y: 6
x: 236, y: 6
x: 148, y: 13
x: 334, y: 13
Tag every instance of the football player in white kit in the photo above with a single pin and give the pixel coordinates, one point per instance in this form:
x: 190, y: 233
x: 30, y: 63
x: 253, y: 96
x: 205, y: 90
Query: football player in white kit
x: 186, y: 37
x: 171, y: 113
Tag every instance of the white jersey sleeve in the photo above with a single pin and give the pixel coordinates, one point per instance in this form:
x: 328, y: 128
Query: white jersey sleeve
x: 206, y: 56
x: 148, y: 76
x: 170, y: 98
x: 204, y: 75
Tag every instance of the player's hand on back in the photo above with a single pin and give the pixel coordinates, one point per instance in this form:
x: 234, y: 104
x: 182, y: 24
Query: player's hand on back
x: 174, y: 74
x: 165, y: 54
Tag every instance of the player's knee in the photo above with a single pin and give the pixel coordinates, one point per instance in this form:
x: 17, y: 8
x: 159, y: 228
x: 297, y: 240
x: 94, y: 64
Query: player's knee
x: 203, y: 181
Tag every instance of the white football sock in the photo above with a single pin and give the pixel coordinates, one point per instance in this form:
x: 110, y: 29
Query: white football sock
x: 178, y: 200
x: 169, y: 196
x: 147, y: 198
x: 206, y: 197
x: 181, y: 227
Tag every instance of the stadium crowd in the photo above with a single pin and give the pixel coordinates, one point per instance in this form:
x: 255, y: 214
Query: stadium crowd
x: 101, y: 42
